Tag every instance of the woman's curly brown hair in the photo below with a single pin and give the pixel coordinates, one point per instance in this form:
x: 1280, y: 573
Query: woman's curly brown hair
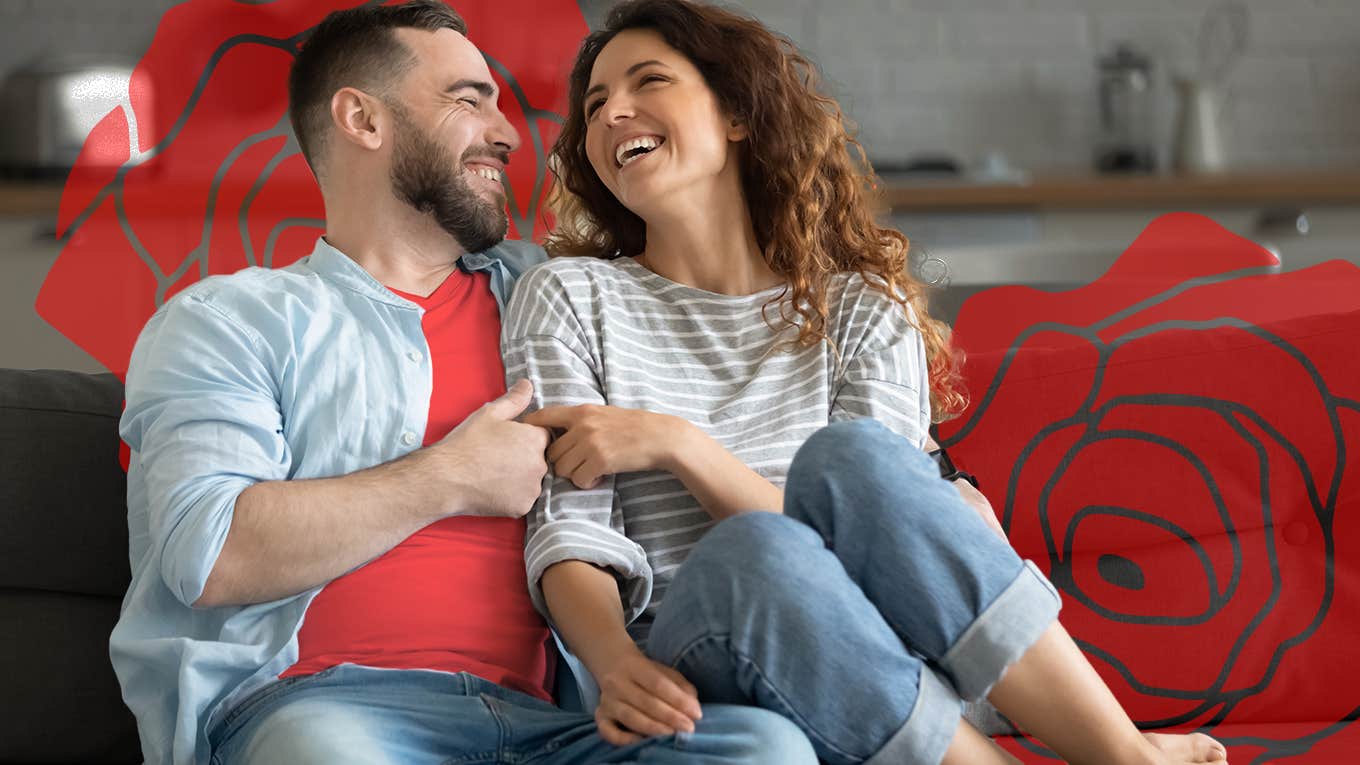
x: 807, y: 182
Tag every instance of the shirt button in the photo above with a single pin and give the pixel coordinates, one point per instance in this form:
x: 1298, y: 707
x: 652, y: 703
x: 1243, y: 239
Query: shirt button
x: 408, y: 438
x: 415, y: 356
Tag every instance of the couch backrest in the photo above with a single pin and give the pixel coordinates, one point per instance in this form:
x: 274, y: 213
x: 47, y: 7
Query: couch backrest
x: 63, y: 568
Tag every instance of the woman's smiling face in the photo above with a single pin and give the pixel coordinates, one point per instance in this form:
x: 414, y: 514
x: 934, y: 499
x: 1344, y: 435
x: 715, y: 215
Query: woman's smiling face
x: 653, y: 126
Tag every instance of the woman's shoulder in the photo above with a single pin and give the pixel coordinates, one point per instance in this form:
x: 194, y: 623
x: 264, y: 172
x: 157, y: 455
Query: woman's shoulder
x: 854, y: 297
x: 570, y: 289
x: 572, y: 275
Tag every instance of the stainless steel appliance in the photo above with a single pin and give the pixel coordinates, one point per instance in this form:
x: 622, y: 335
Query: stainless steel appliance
x: 51, y: 106
x: 1127, y: 113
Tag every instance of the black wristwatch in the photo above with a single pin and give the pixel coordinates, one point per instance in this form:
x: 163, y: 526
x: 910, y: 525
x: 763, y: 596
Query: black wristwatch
x: 948, y: 471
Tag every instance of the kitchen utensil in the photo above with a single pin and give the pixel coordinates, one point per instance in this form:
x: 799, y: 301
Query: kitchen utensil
x: 1222, y: 39
x: 1127, y: 112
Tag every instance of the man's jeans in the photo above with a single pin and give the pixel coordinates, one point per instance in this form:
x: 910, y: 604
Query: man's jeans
x: 865, y: 613
x: 354, y: 714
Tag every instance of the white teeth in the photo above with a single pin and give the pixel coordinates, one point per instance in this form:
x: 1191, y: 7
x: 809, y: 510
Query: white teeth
x: 648, y: 142
x: 488, y: 173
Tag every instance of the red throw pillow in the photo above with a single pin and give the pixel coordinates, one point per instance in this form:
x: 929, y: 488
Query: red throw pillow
x: 1189, y: 477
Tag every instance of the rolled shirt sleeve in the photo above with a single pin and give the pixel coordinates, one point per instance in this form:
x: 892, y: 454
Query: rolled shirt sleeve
x: 203, y: 423
x: 884, y: 370
x: 544, y: 340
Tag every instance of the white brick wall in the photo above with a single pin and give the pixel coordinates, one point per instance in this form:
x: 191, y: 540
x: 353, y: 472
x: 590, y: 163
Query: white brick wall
x: 967, y: 76
x: 961, y: 76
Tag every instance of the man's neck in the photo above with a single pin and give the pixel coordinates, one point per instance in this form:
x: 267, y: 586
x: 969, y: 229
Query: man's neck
x: 400, y: 247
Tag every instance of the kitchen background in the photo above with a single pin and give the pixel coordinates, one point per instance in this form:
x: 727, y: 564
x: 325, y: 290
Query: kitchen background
x: 995, y: 105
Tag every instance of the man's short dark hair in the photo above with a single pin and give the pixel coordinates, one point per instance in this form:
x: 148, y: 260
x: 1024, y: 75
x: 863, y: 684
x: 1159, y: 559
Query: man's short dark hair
x: 355, y: 48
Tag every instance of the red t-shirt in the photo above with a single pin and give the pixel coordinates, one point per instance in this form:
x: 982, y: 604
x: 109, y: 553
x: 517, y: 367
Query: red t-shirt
x: 453, y: 596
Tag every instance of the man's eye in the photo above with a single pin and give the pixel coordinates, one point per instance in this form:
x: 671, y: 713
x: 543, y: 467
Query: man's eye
x: 470, y: 101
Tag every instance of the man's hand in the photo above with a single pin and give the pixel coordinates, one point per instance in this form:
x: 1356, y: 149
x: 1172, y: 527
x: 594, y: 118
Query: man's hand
x: 641, y: 698
x: 490, y: 464
x: 604, y: 440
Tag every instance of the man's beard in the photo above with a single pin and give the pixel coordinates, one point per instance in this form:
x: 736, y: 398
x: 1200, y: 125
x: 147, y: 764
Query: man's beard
x: 425, y: 177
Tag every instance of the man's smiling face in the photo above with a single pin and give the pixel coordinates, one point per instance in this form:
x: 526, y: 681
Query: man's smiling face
x: 451, y: 140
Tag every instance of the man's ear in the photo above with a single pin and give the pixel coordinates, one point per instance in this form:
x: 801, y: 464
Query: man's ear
x: 358, y: 118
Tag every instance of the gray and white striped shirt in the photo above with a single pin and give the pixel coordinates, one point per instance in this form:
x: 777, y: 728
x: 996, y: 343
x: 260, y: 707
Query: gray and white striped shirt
x: 590, y: 331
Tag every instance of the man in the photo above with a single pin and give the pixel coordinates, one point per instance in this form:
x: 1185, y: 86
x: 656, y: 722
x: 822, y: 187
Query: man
x: 325, y: 516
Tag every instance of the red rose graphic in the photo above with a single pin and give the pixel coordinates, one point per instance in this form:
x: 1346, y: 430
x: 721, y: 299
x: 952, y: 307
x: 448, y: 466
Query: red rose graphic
x: 212, y: 181
x: 1173, y: 444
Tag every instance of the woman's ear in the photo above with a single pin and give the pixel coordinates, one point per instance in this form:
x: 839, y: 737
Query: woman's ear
x: 357, y: 118
x: 736, y: 131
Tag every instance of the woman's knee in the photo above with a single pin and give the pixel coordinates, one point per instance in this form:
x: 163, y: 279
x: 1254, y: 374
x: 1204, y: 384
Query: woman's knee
x: 858, y: 462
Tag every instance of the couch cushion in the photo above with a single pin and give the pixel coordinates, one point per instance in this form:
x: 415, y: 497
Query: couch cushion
x: 63, y: 493
x: 63, y: 568
x: 60, y: 696
x: 1194, y: 493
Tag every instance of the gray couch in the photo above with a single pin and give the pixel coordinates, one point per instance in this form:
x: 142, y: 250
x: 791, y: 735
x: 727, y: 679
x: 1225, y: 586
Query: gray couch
x: 63, y: 569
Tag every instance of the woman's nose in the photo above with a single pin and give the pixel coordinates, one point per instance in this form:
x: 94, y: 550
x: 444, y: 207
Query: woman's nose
x: 616, y: 110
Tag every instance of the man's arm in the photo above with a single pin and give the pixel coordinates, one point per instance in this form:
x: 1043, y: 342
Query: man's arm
x: 225, y: 526
x: 287, y: 537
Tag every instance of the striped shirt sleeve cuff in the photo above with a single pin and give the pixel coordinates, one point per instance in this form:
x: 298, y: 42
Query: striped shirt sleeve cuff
x: 568, y: 539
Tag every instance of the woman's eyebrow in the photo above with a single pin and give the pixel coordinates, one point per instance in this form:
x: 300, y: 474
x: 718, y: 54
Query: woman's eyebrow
x: 631, y: 70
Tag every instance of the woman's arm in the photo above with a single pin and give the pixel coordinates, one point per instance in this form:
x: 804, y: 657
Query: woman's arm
x: 975, y: 499
x: 601, y: 441
x: 723, y: 484
x: 637, y: 695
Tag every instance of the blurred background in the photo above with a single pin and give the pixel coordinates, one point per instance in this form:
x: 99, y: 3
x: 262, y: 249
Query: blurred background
x: 1019, y: 141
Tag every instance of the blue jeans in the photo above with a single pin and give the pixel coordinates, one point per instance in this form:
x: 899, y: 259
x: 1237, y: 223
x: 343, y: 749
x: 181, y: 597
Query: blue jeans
x: 354, y: 714
x: 865, y: 612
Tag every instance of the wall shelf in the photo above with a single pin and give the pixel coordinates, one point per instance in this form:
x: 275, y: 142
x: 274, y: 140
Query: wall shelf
x: 1110, y: 192
x: 1054, y: 192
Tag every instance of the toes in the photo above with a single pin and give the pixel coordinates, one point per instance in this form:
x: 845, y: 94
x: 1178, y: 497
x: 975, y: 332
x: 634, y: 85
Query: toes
x: 1209, y: 749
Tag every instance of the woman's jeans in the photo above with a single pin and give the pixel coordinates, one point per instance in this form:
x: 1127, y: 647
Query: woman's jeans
x: 865, y: 612
x: 354, y: 714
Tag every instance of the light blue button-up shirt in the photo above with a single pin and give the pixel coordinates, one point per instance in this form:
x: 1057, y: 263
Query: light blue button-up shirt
x: 309, y: 371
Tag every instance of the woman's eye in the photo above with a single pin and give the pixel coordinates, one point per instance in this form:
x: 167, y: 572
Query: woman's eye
x: 652, y: 78
x: 593, y: 107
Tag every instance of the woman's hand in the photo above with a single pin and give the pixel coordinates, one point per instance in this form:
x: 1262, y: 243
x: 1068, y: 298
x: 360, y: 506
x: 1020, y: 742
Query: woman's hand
x: 641, y: 698
x: 603, y: 440
x: 981, y: 506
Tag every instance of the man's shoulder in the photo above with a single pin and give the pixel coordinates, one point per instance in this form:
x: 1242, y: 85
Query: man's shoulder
x: 250, y: 299
x: 250, y: 286
x: 518, y: 256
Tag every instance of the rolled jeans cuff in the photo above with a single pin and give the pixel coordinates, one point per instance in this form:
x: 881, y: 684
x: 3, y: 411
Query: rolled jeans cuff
x: 1002, y: 633
x: 929, y: 729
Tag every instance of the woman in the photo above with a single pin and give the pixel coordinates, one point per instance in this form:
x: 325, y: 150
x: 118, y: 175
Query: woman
x: 736, y: 299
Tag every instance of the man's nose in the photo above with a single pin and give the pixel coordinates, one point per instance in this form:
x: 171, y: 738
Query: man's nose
x: 502, y: 134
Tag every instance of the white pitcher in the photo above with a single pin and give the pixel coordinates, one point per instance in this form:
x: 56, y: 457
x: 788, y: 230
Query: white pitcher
x: 1199, y: 134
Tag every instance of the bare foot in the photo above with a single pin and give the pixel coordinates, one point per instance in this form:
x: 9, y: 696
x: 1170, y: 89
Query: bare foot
x: 1193, y: 747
